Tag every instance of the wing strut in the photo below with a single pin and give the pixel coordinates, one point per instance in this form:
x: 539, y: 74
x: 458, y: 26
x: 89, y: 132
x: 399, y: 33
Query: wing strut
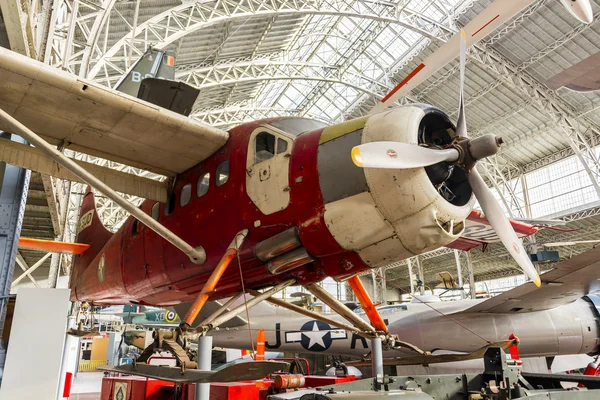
x: 388, y: 340
x: 314, y: 315
x: 367, y: 304
x: 339, y: 307
x: 213, y: 280
x: 196, y: 255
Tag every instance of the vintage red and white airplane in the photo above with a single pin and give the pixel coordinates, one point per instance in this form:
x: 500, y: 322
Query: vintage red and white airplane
x: 284, y: 199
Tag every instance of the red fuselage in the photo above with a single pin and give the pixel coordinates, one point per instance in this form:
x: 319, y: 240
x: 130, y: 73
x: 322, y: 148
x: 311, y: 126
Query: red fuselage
x: 141, y: 267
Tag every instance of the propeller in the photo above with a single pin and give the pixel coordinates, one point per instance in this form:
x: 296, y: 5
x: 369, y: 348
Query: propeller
x: 462, y: 152
x: 368, y: 155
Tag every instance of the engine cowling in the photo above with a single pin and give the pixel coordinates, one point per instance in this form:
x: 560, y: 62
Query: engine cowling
x: 389, y: 215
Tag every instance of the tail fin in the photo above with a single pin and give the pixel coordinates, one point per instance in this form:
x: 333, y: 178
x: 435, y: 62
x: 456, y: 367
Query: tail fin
x: 153, y: 64
x: 152, y: 79
x: 90, y: 230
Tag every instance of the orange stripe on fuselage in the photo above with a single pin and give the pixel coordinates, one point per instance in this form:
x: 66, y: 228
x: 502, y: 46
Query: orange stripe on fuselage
x: 404, y: 82
x: 483, y: 27
x: 52, y: 246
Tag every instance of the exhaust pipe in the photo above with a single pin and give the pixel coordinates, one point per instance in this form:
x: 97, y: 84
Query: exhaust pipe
x: 289, y: 261
x: 278, y: 244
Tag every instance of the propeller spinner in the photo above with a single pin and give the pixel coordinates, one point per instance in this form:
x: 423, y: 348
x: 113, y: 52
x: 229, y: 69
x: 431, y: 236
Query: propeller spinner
x: 463, y: 153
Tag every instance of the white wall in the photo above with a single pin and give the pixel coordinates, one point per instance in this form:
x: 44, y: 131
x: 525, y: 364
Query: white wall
x: 35, y: 348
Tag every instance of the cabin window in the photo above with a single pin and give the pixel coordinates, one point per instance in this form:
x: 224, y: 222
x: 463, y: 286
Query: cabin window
x: 170, y: 205
x: 222, y: 175
x: 155, y: 213
x: 185, y: 195
x: 134, y: 228
x: 282, y: 146
x: 264, y: 147
x: 203, y: 184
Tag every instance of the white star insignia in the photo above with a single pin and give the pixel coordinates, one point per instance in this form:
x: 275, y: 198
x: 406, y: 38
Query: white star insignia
x: 315, y: 336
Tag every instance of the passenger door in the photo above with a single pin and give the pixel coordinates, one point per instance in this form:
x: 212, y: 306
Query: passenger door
x: 267, y: 167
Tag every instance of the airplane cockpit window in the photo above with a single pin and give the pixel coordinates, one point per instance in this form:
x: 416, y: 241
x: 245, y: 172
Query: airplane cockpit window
x: 203, y: 184
x: 155, y: 213
x: 170, y: 205
x: 264, y: 147
x: 222, y: 175
x: 282, y: 146
x: 185, y: 195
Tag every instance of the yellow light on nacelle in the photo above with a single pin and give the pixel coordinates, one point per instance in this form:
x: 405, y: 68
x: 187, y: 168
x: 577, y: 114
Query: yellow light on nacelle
x: 356, y: 158
x: 537, y: 282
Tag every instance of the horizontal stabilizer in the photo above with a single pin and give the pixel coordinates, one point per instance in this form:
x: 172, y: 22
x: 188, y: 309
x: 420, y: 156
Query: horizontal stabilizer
x: 178, y: 97
x: 52, y: 246
x: 237, y: 372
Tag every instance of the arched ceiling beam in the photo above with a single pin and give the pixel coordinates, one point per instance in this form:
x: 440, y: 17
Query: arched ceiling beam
x: 175, y: 23
x: 75, y: 29
x: 203, y: 77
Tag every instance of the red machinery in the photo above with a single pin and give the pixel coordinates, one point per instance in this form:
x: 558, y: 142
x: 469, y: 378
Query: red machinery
x: 140, y: 388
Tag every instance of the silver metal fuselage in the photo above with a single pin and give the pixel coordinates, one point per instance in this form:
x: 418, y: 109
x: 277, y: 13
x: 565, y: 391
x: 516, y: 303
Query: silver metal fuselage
x: 570, y: 329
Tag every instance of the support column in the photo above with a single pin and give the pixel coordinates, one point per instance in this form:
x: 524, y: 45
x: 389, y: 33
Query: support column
x: 383, y: 287
x: 411, y: 277
x: 53, y: 272
x: 459, y: 272
x: 420, y: 276
x: 471, y: 276
x: 375, y: 295
x: 14, y: 184
x: 63, y: 198
x: 204, y: 364
x: 377, y: 360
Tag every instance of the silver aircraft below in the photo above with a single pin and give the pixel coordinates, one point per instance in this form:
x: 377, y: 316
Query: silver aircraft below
x: 562, y: 317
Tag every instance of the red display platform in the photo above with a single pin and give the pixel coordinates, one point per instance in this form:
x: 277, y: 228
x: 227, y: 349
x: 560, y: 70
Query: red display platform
x: 135, y: 388
x: 234, y: 390
x: 140, y: 388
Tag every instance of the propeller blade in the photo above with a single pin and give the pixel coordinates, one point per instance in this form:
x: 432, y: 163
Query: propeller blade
x: 461, y: 124
x: 501, y: 225
x: 398, y: 155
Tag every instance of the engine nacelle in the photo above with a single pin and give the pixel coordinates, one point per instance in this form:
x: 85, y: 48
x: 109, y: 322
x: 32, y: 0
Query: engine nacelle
x: 389, y: 215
